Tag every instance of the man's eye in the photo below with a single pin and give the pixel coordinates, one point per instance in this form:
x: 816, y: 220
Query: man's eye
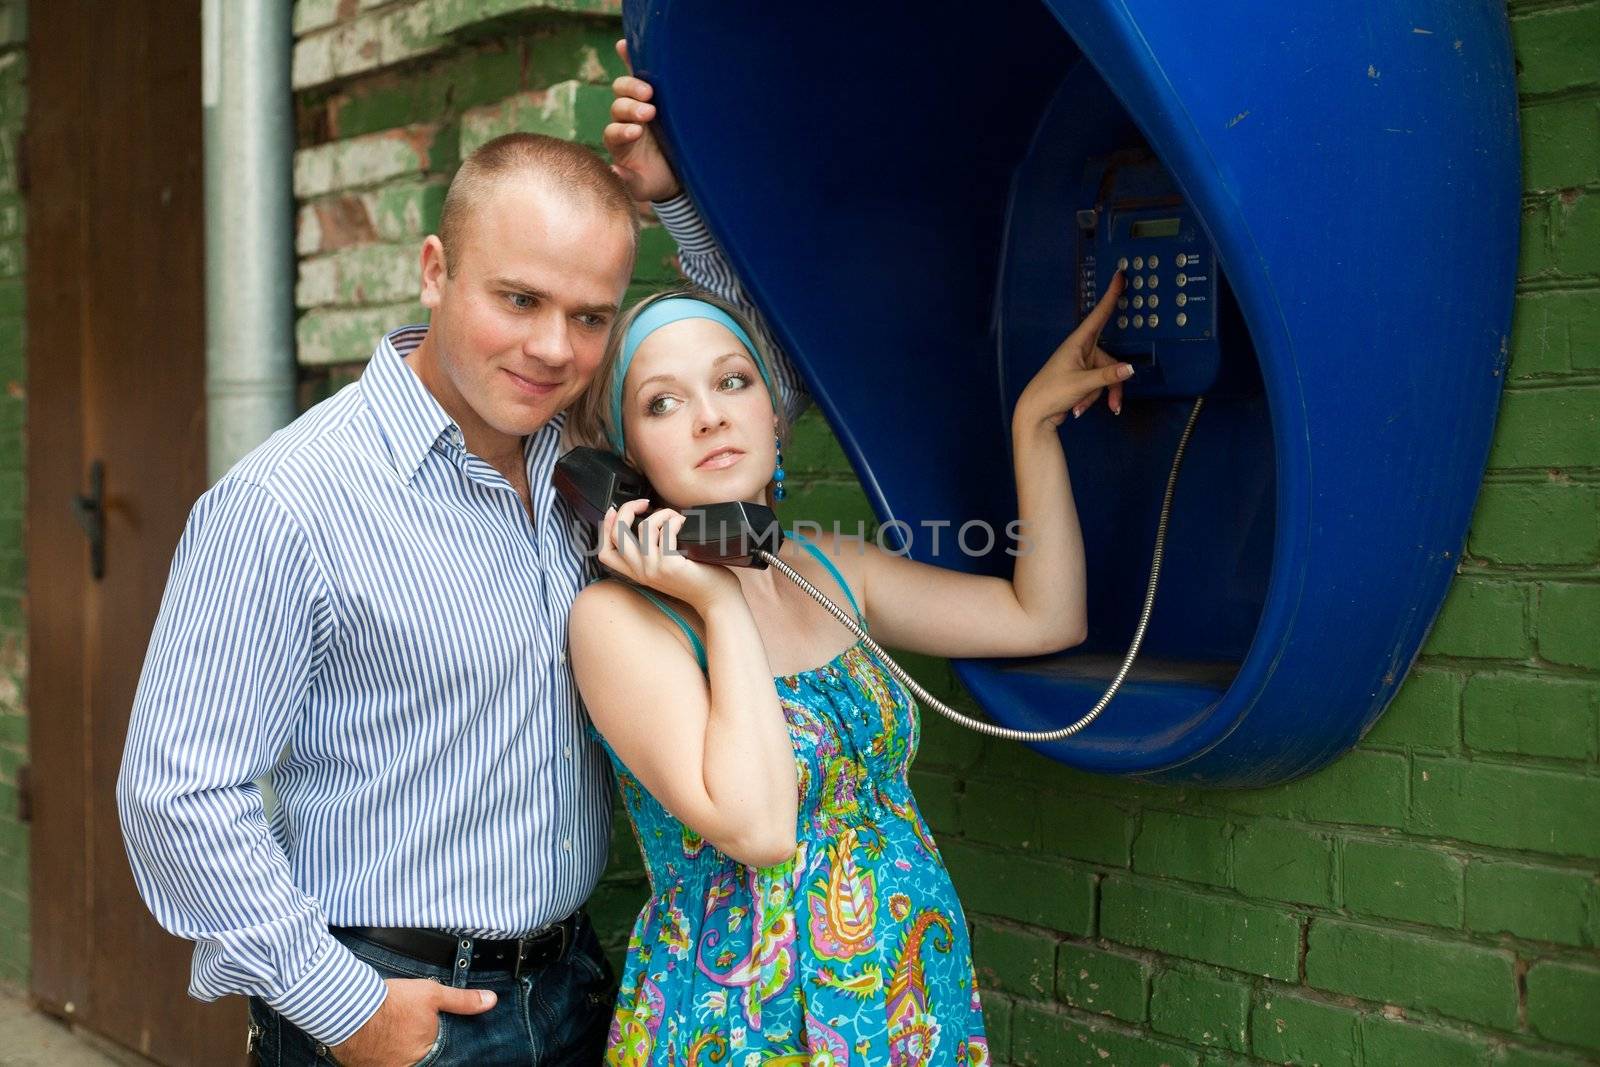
x: 592, y: 320
x: 520, y: 301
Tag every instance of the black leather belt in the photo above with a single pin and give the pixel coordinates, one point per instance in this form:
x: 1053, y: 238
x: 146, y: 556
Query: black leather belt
x: 457, y: 953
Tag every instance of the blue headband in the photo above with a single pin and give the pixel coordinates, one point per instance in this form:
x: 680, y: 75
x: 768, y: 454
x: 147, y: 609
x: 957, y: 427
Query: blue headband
x: 662, y: 313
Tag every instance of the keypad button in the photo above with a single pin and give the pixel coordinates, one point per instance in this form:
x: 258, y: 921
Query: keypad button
x: 1138, y: 301
x: 1122, y: 322
x: 1122, y: 303
x: 1182, y: 280
x: 1153, y: 262
x: 1183, y: 320
x: 1138, y: 263
x: 1138, y: 281
x: 1154, y: 300
x: 1182, y: 260
x: 1154, y: 280
x: 1154, y: 321
x: 1182, y: 299
x: 1138, y: 322
x: 1122, y: 264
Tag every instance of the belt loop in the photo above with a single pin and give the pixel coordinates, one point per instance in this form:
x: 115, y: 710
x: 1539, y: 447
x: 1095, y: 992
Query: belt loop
x: 458, y: 974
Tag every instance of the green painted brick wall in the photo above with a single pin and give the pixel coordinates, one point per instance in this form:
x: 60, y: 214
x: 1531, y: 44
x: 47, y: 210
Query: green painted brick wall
x: 13, y: 405
x: 1430, y: 898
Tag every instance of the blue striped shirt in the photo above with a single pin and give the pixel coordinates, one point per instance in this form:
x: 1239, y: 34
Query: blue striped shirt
x: 364, y: 610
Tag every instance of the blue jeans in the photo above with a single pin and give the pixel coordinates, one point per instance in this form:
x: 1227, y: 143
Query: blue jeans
x: 552, y: 1016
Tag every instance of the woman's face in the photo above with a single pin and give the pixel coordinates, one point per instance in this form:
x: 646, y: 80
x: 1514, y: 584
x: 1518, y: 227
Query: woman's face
x: 697, y: 418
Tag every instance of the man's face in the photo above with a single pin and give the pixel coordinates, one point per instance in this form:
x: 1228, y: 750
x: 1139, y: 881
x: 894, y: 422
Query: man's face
x: 519, y: 328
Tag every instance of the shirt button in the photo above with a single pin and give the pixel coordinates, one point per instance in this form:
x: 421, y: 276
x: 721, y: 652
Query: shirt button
x: 566, y: 844
x: 567, y: 752
x: 561, y: 657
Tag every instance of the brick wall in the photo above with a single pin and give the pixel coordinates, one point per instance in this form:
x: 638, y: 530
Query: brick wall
x: 13, y: 401
x: 1431, y: 898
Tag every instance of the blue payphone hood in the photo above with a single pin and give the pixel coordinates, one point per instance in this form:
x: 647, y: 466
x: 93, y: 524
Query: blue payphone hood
x: 897, y: 185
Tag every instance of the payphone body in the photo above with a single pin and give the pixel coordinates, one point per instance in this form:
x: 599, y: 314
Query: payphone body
x: 924, y: 221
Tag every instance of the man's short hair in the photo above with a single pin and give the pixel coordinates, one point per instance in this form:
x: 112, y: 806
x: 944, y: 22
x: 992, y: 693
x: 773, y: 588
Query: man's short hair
x: 563, y: 165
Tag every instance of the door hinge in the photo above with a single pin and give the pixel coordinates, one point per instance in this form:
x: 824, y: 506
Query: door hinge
x: 90, y: 508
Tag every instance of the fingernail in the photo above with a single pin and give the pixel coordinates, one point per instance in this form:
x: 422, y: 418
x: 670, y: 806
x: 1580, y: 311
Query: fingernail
x: 1125, y: 371
x: 1076, y: 412
x: 486, y: 997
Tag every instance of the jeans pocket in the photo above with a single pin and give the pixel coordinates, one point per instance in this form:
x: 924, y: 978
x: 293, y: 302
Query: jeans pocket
x: 437, y: 1048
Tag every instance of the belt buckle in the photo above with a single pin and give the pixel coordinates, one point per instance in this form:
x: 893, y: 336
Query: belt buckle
x: 525, y: 945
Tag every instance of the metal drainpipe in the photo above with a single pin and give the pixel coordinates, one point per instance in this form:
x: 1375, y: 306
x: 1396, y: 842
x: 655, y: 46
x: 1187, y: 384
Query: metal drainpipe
x: 250, y: 260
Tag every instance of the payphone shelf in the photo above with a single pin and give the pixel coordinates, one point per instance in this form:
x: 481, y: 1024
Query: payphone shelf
x: 1100, y: 666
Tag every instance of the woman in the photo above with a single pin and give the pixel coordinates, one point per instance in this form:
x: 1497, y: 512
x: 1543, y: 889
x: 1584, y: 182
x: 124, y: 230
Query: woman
x: 799, y: 911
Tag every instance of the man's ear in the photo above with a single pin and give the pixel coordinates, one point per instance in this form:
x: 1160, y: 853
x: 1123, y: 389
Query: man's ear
x: 434, y: 273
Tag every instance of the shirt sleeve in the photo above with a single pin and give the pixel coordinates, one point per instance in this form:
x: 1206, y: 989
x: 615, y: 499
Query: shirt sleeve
x: 237, y: 644
x: 704, y: 264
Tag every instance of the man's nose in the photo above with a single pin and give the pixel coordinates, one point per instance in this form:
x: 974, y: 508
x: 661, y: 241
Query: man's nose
x: 549, y: 340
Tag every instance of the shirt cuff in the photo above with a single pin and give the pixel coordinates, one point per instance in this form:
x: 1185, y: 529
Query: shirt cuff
x: 335, y: 997
x: 680, y: 218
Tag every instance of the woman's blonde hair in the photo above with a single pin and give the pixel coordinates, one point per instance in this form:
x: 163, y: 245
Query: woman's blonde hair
x: 589, y: 422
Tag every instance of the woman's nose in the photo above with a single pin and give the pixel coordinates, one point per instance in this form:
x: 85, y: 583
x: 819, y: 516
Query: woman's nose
x: 711, y: 417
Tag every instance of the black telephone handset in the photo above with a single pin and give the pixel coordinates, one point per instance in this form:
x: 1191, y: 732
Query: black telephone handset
x: 731, y: 534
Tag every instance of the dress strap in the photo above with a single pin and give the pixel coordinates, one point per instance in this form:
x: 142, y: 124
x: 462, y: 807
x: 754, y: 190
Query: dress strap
x: 683, y: 624
x: 822, y: 557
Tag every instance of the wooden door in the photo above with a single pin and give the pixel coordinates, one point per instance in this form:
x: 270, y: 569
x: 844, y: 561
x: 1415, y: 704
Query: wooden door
x: 116, y: 362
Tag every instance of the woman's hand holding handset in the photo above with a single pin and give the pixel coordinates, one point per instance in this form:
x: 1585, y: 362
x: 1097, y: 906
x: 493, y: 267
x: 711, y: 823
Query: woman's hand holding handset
x: 648, y: 555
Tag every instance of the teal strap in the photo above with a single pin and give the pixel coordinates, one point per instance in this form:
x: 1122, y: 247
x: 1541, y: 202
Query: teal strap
x: 683, y: 624
x: 822, y: 557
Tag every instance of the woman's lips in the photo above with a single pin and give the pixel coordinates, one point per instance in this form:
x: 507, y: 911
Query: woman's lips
x: 721, y: 460
x: 532, y: 388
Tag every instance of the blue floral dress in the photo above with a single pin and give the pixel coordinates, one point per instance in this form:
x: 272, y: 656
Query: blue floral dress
x: 855, y: 951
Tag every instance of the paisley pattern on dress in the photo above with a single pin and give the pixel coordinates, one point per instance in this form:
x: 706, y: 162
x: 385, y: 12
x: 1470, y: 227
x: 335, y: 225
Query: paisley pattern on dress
x: 854, y: 953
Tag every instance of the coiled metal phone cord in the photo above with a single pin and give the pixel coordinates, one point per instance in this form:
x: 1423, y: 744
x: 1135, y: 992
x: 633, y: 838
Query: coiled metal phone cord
x: 993, y: 729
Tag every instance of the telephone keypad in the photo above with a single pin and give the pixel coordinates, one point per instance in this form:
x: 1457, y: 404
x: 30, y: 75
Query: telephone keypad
x: 1145, y: 246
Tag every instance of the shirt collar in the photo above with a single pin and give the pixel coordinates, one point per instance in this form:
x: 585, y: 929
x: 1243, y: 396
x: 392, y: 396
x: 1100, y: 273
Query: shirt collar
x: 411, y: 418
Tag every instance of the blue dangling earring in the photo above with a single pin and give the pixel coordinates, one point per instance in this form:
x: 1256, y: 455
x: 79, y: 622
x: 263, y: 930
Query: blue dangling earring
x: 778, y: 492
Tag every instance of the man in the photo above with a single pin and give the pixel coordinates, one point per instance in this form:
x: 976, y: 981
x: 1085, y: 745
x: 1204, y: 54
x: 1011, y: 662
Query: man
x: 372, y: 607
